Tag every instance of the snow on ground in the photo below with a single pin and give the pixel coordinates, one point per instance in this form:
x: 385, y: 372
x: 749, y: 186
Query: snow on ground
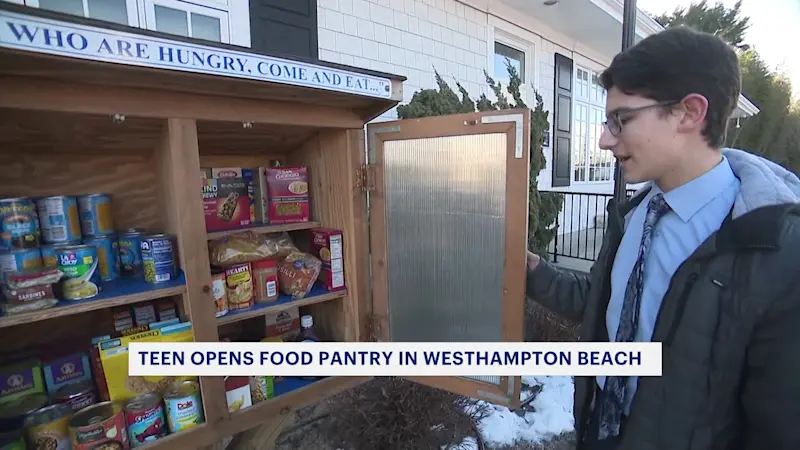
x: 552, y: 415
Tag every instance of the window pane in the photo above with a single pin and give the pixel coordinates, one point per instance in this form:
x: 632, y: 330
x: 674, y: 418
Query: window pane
x: 110, y: 10
x: 205, y: 27
x: 516, y: 58
x: 172, y: 21
x: 65, y: 6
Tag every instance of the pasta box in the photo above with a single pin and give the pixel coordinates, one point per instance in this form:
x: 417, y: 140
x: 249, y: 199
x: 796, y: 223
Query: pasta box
x: 287, y: 194
x: 326, y: 244
x: 226, y: 203
x: 20, y: 379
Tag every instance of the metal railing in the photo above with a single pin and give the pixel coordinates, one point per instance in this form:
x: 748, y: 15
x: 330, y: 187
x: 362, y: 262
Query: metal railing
x: 581, y: 225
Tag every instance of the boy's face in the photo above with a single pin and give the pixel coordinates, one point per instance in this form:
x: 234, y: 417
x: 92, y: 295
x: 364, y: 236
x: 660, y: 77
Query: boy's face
x: 649, y: 144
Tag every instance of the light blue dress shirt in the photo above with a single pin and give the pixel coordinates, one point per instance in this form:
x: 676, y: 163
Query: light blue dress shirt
x: 698, y: 208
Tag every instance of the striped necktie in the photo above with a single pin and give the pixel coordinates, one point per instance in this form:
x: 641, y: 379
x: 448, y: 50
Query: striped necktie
x: 614, y: 389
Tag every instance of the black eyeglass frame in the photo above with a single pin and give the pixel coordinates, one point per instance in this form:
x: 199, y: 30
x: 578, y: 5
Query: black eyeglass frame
x: 616, y: 117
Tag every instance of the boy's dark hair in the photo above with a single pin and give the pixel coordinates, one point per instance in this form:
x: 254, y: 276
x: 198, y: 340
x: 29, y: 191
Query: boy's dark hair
x: 675, y: 63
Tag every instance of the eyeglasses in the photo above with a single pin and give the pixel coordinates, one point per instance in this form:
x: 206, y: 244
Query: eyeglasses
x: 614, y: 123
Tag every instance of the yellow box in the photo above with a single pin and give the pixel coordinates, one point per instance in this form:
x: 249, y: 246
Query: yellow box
x: 114, y: 358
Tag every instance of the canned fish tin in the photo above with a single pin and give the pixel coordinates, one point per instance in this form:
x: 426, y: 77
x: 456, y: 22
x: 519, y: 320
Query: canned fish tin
x: 77, y: 395
x: 49, y: 259
x: 19, y: 260
x: 144, y: 416
x: 158, y: 258
x: 130, y: 252
x: 95, y: 210
x: 184, y: 408
x: 59, y: 220
x: 107, y: 254
x: 48, y: 427
x: 19, y: 224
x: 101, y: 423
x: 80, y: 266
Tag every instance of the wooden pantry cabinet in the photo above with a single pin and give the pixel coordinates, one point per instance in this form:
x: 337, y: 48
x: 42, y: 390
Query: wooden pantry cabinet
x: 433, y: 211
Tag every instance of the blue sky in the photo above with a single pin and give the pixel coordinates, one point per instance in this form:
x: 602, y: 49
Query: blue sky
x: 774, y: 25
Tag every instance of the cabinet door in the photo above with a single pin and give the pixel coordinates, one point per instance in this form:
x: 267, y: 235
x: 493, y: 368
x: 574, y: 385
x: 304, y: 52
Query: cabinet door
x: 448, y: 219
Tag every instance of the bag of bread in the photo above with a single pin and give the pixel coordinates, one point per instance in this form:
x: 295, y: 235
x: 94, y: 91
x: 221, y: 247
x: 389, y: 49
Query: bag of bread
x: 297, y: 273
x: 248, y: 246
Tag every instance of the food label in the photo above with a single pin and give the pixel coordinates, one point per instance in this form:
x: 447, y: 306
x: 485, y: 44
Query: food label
x: 237, y: 392
x: 158, y: 259
x: 130, y: 254
x: 144, y: 314
x: 287, y: 193
x: 184, y: 412
x: 226, y: 203
x: 81, y: 276
x: 71, y: 368
x: 146, y: 426
x: 239, y: 284
x: 110, y: 431
x: 220, y: 295
x: 95, y: 212
x: 51, y: 436
x: 19, y: 224
x: 326, y: 244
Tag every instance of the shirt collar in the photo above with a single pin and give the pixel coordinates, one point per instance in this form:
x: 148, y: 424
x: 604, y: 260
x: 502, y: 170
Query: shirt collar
x: 688, y: 199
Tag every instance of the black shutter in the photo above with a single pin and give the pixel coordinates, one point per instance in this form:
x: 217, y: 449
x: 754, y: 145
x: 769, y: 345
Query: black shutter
x: 285, y: 27
x: 562, y: 128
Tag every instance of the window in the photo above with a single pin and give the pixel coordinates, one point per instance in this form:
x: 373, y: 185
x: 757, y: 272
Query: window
x: 187, y: 19
x: 590, y: 162
x: 514, y: 56
x: 118, y: 11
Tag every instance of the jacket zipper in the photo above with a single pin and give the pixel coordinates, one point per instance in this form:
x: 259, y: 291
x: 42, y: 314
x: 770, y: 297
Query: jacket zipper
x: 681, y: 306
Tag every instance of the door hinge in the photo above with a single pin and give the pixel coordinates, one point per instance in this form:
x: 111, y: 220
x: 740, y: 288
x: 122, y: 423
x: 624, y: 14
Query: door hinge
x: 365, y: 177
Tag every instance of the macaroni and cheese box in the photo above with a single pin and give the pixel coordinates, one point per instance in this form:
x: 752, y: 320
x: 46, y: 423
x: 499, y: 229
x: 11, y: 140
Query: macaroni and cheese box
x: 114, y: 359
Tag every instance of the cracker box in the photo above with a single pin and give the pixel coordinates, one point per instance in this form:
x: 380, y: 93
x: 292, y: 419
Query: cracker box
x: 283, y: 324
x: 287, y: 194
x: 226, y: 203
x: 327, y: 245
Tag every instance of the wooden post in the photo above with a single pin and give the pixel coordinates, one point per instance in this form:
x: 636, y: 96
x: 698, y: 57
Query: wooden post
x: 178, y: 163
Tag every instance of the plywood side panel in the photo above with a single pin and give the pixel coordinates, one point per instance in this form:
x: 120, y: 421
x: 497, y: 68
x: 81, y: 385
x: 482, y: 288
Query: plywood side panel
x: 332, y: 186
x: 130, y: 179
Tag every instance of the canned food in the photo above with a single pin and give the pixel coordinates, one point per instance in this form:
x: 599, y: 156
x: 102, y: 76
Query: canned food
x: 81, y: 279
x: 19, y: 224
x: 130, y: 252
x: 59, y: 220
x: 158, y: 258
x: 101, y: 423
x: 77, y: 395
x: 13, y: 412
x: 95, y: 210
x: 107, y: 254
x: 145, y: 419
x: 48, y: 427
x: 20, y: 260
x: 184, y: 408
x: 12, y: 440
x: 220, y: 292
x: 49, y: 259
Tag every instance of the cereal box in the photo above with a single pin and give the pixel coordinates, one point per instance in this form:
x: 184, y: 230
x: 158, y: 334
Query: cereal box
x: 326, y: 244
x: 287, y: 194
x: 226, y: 203
x: 114, y: 359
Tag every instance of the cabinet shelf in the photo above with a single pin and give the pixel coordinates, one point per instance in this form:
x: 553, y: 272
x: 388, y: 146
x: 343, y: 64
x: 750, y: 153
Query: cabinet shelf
x: 122, y: 291
x: 317, y: 295
x: 265, y: 229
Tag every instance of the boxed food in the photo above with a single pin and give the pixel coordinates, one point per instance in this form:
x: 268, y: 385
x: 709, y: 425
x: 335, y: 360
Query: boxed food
x: 226, y: 203
x: 287, y: 193
x: 237, y: 392
x: 250, y: 176
x: 283, y: 324
x: 144, y: 314
x: 20, y: 379
x: 327, y: 245
x: 166, y: 309
x: 65, y: 369
x: 114, y: 360
x: 123, y: 317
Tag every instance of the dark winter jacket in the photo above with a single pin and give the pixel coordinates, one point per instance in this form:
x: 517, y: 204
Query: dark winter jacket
x: 729, y: 324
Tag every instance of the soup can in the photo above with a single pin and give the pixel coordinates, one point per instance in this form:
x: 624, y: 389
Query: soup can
x: 59, y: 219
x: 184, y: 407
x: 158, y: 258
x: 48, y: 427
x: 101, y: 423
x: 107, y: 254
x: 144, y: 417
x: 95, y: 212
x: 130, y: 251
x: 19, y: 224
x: 80, y: 266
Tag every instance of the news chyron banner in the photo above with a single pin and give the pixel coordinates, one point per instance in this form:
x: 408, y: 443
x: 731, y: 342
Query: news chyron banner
x: 466, y: 359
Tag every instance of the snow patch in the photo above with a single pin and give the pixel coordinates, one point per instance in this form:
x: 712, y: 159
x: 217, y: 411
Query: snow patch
x: 552, y: 415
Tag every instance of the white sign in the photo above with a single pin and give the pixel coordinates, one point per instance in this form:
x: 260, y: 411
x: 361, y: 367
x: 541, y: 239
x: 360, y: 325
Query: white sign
x: 23, y: 32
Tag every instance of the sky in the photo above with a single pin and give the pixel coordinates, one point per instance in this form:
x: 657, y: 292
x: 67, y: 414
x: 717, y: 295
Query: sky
x: 774, y: 25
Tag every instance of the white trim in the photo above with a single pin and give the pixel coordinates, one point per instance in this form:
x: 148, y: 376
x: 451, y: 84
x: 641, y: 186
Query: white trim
x: 239, y: 19
x: 131, y: 6
x: 188, y: 8
x: 519, y: 38
x: 590, y: 103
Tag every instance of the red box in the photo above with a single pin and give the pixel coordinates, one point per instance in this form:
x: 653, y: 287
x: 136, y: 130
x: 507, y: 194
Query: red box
x: 287, y: 194
x: 327, y: 245
x: 226, y: 203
